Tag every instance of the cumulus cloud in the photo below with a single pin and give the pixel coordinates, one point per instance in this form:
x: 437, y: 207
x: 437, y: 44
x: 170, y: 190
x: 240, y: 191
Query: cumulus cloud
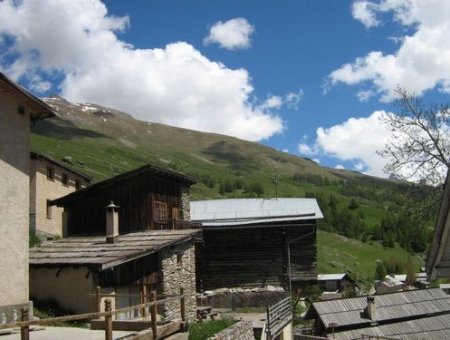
x: 290, y: 100
x: 232, y: 34
x: 356, y: 140
x: 421, y: 61
x: 77, y: 44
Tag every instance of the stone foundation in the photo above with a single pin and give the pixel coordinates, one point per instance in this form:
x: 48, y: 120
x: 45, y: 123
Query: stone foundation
x: 242, y: 299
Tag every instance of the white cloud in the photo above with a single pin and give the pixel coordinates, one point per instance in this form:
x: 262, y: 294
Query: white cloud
x: 174, y: 85
x: 339, y: 167
x: 422, y: 60
x: 356, y: 140
x: 290, y: 100
x: 231, y: 35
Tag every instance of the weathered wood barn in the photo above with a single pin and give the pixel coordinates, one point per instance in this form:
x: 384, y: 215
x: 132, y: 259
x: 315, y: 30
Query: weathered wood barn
x: 256, y: 242
x: 413, y: 314
x: 150, y: 198
x: 69, y: 269
x: 438, y: 260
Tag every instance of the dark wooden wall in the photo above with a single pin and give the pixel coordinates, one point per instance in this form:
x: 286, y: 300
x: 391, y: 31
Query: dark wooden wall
x: 87, y: 216
x: 255, y: 257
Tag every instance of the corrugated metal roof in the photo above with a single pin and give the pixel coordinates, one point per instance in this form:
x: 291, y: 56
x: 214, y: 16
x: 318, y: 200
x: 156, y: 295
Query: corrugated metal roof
x: 227, y: 212
x: 433, y: 328
x: 95, y: 252
x: 413, y: 303
x: 330, y: 277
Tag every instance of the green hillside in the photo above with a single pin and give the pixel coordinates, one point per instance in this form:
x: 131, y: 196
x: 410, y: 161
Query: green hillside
x: 338, y: 254
x: 104, y: 142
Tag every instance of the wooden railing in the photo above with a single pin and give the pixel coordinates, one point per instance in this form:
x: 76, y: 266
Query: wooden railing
x: 278, y: 316
x: 25, y: 323
x: 176, y: 225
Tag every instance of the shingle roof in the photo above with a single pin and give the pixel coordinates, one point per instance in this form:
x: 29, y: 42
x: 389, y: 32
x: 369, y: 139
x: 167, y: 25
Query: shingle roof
x: 229, y: 212
x: 428, y: 328
x: 394, y: 306
x: 95, y: 252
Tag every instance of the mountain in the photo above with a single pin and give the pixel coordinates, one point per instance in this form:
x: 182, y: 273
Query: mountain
x: 103, y: 142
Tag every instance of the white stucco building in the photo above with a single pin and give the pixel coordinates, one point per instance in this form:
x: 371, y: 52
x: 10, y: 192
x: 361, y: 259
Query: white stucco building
x: 18, y: 108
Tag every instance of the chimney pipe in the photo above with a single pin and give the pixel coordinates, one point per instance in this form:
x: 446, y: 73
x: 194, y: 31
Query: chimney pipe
x: 112, y: 223
x: 371, y: 308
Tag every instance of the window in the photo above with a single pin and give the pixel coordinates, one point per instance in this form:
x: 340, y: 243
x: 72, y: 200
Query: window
x: 65, y: 179
x: 77, y: 184
x: 49, y: 210
x: 160, y: 211
x: 50, y: 173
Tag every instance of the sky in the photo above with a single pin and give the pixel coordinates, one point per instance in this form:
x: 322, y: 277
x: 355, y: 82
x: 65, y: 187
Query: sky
x: 307, y: 77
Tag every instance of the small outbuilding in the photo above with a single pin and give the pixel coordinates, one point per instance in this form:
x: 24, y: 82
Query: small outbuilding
x: 413, y: 314
x: 340, y: 282
x: 253, y: 243
x: 69, y: 270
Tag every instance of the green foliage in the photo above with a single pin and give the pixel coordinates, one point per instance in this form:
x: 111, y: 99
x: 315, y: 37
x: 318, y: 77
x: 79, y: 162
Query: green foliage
x: 205, y: 330
x: 33, y: 240
x: 380, y: 271
x: 312, y: 293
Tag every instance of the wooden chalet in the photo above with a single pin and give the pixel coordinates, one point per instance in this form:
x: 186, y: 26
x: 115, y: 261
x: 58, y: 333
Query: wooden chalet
x: 150, y: 198
x: 438, y: 260
x: 256, y: 242
x: 413, y: 314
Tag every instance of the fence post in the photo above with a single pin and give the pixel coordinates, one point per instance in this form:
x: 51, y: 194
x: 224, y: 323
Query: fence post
x: 153, y: 312
x: 108, y: 320
x: 24, y: 330
x: 98, y: 299
x: 183, y: 306
x: 143, y: 300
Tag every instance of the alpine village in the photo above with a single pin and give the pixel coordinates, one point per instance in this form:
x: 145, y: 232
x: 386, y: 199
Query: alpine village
x: 119, y: 228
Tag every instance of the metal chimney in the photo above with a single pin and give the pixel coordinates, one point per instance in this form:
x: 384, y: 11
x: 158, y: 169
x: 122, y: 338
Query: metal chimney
x: 112, y: 222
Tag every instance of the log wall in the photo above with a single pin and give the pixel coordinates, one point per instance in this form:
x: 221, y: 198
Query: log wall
x: 255, y: 257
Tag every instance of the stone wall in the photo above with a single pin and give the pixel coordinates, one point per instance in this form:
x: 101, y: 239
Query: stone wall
x: 177, y: 269
x: 185, y: 203
x: 256, y: 299
x: 242, y: 330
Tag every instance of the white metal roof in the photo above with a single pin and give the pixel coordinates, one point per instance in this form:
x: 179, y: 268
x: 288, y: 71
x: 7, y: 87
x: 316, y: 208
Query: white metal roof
x: 330, y: 277
x: 228, y: 212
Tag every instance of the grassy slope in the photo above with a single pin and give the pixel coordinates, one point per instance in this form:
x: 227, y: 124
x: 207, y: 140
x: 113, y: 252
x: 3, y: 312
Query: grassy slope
x: 105, y: 142
x: 340, y: 254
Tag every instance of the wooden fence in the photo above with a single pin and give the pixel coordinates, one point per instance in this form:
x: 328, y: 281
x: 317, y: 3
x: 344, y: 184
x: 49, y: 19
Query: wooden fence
x: 279, y: 316
x: 107, y: 314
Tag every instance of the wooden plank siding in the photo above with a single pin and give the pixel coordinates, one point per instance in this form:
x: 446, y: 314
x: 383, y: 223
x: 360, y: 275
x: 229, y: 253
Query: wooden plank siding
x: 255, y: 256
x: 135, y: 198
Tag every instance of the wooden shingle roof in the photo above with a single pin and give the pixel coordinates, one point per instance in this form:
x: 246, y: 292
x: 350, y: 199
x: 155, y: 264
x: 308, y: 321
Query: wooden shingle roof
x: 95, y: 252
x: 428, y: 328
x: 389, y: 307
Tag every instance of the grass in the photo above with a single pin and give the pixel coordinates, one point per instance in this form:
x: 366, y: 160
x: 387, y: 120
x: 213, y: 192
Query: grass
x: 338, y: 254
x: 206, y: 329
x: 50, y: 308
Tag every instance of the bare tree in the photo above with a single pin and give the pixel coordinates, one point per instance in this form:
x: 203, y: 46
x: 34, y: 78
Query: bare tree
x: 420, y: 144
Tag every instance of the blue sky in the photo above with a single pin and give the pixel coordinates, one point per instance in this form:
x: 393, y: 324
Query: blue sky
x: 310, y: 77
